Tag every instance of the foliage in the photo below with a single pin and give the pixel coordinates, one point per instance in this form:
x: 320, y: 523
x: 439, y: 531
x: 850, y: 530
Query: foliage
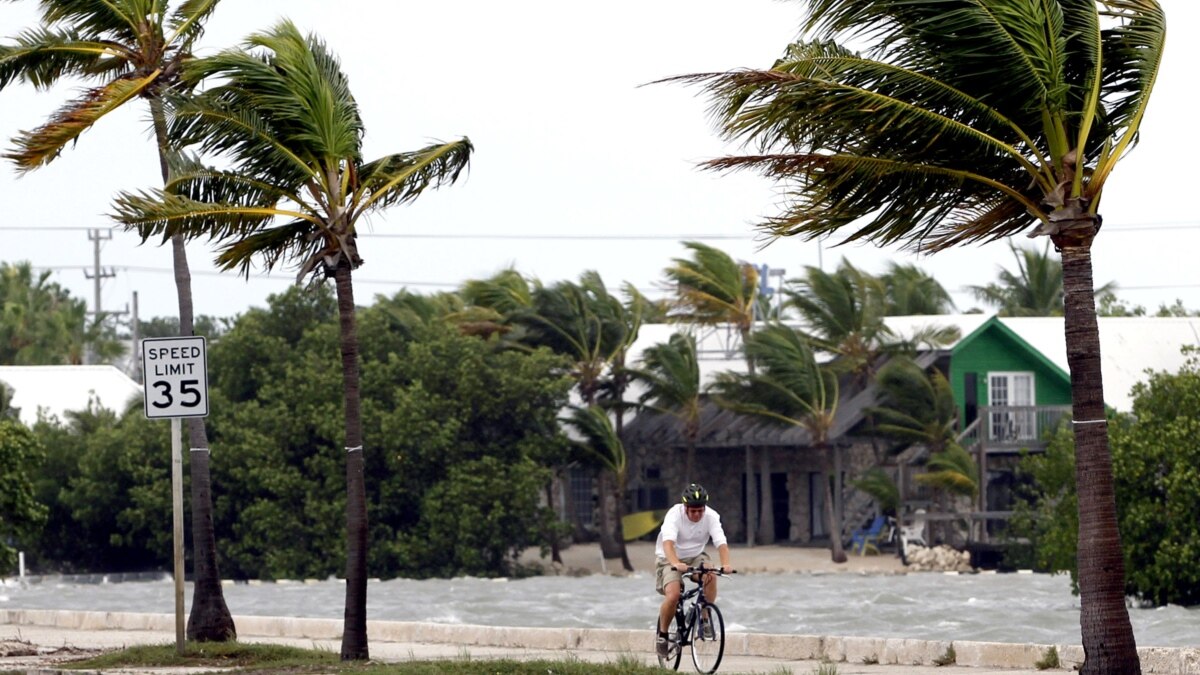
x: 916, y: 406
x: 952, y: 470
x: 20, y: 513
x: 1155, y: 460
x: 880, y: 486
x: 41, y: 324
x: 462, y: 435
x: 1037, y: 287
x: 710, y: 287
x: 106, y: 483
x: 911, y: 291
x: 1049, y: 660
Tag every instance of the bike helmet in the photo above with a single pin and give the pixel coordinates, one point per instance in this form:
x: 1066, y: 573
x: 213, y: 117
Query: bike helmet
x: 695, y: 495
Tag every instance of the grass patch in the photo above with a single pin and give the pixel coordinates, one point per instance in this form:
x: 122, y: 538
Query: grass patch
x: 947, y: 659
x: 1049, y: 660
x: 213, y: 654
x: 282, y: 659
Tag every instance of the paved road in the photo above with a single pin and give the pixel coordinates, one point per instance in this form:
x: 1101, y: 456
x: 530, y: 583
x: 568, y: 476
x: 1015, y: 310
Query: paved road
x: 53, y: 638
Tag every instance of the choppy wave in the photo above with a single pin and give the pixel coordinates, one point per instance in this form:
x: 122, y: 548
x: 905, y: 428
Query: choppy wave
x: 1033, y: 608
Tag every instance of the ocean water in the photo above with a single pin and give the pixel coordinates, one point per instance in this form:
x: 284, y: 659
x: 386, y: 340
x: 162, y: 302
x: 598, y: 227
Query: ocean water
x: 1023, y: 608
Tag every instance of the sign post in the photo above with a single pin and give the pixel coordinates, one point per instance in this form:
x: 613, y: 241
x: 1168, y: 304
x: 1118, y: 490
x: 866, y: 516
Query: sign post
x: 176, y: 372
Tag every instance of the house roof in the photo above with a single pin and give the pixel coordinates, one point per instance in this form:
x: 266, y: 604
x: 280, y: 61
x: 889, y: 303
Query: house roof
x: 53, y: 390
x: 1129, y: 345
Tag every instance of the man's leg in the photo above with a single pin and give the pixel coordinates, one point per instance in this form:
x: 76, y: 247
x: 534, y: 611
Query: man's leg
x: 666, y: 612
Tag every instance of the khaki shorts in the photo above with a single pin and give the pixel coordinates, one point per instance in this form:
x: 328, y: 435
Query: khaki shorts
x: 665, y: 574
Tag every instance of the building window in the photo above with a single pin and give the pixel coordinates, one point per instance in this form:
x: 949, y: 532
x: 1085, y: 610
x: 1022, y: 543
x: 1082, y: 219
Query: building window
x: 1011, y: 398
x: 583, y: 495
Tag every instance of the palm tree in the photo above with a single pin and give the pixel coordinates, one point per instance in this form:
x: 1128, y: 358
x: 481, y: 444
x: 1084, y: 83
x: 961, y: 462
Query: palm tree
x: 670, y: 372
x: 1036, y: 289
x: 133, y: 49
x: 789, y: 388
x: 711, y: 289
x: 968, y: 121
x: 601, y: 442
x: 843, y: 314
x: 910, y: 291
x: 285, y: 119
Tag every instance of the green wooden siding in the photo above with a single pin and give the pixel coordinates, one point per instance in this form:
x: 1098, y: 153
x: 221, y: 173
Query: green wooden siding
x: 993, y: 347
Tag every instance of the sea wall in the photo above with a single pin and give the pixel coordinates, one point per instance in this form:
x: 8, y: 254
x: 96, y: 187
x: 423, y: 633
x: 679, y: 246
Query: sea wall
x: 1170, y: 661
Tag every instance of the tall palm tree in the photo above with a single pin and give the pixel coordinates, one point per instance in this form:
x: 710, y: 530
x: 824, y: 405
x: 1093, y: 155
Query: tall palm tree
x: 131, y: 49
x: 711, y: 289
x: 790, y: 388
x: 843, y: 314
x: 968, y: 121
x: 911, y: 291
x: 1037, y: 287
x: 670, y: 372
x: 285, y: 119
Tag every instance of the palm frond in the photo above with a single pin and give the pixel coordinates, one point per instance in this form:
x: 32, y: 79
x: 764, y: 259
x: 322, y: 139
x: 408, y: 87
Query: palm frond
x: 42, y: 145
x: 711, y: 287
x: 41, y: 56
x: 600, y: 439
x: 187, y: 22
x: 402, y: 177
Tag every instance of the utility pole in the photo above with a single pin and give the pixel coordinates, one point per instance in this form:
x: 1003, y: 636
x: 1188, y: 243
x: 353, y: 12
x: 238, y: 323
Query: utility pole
x: 137, y: 350
x: 97, y: 275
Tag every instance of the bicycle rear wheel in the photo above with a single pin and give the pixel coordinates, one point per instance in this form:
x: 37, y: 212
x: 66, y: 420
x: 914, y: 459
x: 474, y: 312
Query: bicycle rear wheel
x: 708, y: 650
x: 674, y: 651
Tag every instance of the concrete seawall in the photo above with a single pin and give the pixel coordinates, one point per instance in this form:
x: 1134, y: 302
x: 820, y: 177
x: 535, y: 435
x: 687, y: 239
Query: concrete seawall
x: 885, y: 651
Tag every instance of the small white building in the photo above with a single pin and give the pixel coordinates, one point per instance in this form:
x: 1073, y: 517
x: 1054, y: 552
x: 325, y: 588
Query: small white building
x: 50, y: 391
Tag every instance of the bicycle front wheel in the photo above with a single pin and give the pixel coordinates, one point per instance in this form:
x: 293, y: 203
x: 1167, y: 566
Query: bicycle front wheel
x: 708, y: 639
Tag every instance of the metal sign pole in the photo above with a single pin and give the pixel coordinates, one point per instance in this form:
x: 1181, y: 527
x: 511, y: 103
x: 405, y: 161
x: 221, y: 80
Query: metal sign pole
x: 177, y: 508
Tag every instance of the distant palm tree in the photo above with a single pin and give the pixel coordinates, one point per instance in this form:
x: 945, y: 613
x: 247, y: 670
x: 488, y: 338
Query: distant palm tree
x: 842, y: 313
x: 286, y: 120
x: 1037, y: 287
x: 789, y: 388
x: 967, y: 121
x: 911, y: 291
x: 134, y: 49
x: 602, y: 444
x: 670, y: 372
x: 915, y: 406
x: 710, y: 288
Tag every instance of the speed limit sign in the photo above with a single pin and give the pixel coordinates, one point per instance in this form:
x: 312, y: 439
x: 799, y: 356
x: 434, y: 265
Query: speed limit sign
x: 176, y: 376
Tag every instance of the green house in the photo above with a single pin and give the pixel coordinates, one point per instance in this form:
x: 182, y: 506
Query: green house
x: 993, y: 368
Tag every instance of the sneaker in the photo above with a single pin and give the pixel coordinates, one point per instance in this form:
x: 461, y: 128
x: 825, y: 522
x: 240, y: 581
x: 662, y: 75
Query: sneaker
x: 663, y: 646
x: 706, y: 630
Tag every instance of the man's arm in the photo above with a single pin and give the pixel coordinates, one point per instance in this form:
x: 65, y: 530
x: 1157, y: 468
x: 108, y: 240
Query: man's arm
x: 672, y: 557
x: 723, y: 551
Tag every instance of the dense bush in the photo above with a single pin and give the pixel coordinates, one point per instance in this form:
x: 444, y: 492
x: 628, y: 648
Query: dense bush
x: 1156, y: 464
x: 459, y: 435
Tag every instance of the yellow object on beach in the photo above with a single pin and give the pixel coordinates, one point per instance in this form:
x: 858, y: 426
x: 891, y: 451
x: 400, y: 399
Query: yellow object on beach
x: 638, y: 525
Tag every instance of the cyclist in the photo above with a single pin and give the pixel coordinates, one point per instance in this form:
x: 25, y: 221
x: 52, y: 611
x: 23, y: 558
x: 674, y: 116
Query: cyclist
x: 685, y: 531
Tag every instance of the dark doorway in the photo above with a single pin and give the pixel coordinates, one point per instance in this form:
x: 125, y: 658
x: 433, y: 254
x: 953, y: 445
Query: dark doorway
x: 779, y: 506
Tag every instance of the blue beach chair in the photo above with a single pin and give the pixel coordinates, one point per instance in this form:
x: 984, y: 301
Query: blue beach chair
x: 863, y: 540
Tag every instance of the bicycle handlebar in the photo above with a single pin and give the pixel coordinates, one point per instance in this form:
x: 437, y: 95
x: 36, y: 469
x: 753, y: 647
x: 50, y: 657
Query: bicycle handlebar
x: 708, y: 570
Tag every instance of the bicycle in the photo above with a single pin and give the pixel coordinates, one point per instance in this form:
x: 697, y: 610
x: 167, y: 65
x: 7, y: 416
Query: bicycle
x: 690, y: 624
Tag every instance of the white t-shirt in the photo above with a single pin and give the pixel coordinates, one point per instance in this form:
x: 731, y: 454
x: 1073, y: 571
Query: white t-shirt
x: 689, y: 537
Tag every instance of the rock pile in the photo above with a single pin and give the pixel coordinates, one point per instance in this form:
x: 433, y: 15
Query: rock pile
x: 937, y: 559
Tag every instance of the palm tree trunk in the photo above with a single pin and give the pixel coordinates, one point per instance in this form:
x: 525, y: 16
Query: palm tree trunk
x: 354, y: 629
x: 620, y: 526
x: 837, y: 553
x: 607, y: 528
x: 209, y: 619
x: 1108, y: 641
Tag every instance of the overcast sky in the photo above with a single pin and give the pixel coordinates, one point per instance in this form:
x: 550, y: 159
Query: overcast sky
x: 577, y: 166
